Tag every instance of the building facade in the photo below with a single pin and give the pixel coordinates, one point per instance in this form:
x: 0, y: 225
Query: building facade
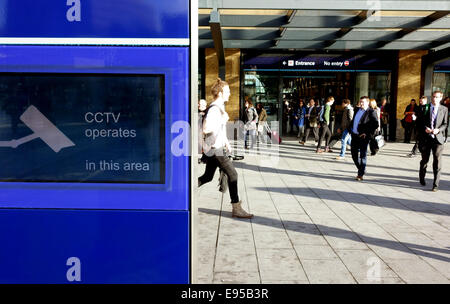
x: 275, y: 54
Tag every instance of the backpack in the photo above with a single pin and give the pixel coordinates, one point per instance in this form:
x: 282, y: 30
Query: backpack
x: 208, y: 139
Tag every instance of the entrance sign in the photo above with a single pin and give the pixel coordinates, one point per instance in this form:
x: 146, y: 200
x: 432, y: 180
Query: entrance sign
x: 320, y: 62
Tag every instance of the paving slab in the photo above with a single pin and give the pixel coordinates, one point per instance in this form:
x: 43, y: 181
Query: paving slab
x: 241, y: 277
x: 287, y: 269
x: 315, y: 252
x: 318, y: 272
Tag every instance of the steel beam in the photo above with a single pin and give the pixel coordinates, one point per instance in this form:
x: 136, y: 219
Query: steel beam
x: 358, y: 19
x: 216, y: 32
x: 387, y: 5
x: 426, y: 21
x: 246, y: 20
x: 289, y: 17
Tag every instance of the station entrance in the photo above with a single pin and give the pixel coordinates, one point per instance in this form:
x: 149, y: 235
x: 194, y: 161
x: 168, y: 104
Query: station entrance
x: 317, y: 85
x: 279, y: 81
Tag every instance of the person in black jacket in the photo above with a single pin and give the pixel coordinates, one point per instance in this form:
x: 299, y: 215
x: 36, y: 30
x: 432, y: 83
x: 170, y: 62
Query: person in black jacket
x: 436, y: 123
x: 311, y: 122
x: 422, y: 110
x: 362, y: 128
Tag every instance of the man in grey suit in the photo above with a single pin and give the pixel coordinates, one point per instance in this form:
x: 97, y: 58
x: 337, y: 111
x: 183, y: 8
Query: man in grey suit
x: 435, y: 125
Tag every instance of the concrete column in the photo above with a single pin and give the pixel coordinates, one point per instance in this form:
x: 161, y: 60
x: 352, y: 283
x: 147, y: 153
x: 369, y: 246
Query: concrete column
x: 233, y: 72
x: 362, y: 85
x: 409, y: 82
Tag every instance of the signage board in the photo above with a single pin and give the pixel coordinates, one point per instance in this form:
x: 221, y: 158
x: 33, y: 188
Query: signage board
x: 317, y: 62
x: 31, y: 21
x: 84, y: 120
x: 101, y: 128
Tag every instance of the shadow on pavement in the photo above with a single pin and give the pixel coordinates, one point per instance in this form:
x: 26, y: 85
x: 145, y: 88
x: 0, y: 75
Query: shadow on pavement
x: 358, y: 198
x: 444, y: 185
x: 344, y: 234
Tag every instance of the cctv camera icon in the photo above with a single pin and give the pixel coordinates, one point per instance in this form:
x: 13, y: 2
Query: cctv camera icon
x: 43, y: 129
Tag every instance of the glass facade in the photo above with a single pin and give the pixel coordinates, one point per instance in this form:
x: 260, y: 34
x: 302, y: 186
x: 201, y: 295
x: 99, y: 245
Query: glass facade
x: 441, y: 77
x: 263, y: 88
x: 278, y: 81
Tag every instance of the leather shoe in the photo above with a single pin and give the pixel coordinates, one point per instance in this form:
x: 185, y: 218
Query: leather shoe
x: 422, y: 182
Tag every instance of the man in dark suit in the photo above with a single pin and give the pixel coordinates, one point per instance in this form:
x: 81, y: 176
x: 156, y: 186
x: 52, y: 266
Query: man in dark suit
x: 435, y: 125
x: 421, y: 111
x: 363, y: 127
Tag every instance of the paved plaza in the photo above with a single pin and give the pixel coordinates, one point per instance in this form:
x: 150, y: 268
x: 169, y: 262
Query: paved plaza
x: 314, y: 223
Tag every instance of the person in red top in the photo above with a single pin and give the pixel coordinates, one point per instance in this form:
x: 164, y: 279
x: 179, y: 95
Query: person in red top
x: 384, y: 118
x: 409, y: 120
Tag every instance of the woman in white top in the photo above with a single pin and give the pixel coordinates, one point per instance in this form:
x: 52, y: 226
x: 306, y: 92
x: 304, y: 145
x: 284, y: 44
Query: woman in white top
x: 216, y: 145
x: 250, y: 121
x: 373, y: 143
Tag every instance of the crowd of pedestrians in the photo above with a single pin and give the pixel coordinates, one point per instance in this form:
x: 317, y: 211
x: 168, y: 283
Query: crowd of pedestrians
x: 362, y: 127
x: 365, y: 127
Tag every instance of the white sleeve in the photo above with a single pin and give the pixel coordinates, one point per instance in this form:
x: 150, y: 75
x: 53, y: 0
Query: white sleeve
x: 212, y: 121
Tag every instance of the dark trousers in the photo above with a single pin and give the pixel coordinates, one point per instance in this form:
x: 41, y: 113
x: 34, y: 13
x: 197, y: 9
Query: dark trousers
x: 384, y: 130
x: 335, y: 138
x: 250, y: 138
x: 224, y: 163
x: 417, y: 144
x: 326, y: 134
x: 315, y: 132
x: 426, y: 147
x: 409, y: 127
x: 359, y: 153
x: 373, y: 145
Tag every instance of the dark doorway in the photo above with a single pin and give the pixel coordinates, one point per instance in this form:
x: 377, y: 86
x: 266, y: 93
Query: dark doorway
x: 317, y: 85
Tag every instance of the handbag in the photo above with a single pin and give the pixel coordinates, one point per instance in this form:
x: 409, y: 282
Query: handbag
x: 379, y: 139
x: 260, y: 128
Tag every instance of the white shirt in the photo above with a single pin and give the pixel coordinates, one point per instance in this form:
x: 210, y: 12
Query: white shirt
x: 358, y: 116
x: 434, y: 110
x: 216, y: 123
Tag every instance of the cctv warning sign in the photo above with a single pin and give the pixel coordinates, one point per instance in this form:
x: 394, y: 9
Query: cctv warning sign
x: 82, y: 128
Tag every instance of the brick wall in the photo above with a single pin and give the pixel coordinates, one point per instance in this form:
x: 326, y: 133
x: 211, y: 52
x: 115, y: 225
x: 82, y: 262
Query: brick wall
x: 232, y: 75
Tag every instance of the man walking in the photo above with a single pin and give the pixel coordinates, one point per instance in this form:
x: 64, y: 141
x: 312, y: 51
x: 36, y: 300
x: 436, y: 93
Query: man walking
x: 311, y: 121
x: 326, y: 133
x: 363, y: 127
x: 421, y: 111
x: 434, y: 138
x: 347, y: 117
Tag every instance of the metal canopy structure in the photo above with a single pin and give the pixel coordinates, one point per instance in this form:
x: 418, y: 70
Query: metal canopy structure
x: 326, y: 25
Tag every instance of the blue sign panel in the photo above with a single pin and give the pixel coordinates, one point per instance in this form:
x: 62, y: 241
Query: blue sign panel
x: 95, y: 126
x: 71, y: 246
x: 94, y: 18
x: 94, y: 141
